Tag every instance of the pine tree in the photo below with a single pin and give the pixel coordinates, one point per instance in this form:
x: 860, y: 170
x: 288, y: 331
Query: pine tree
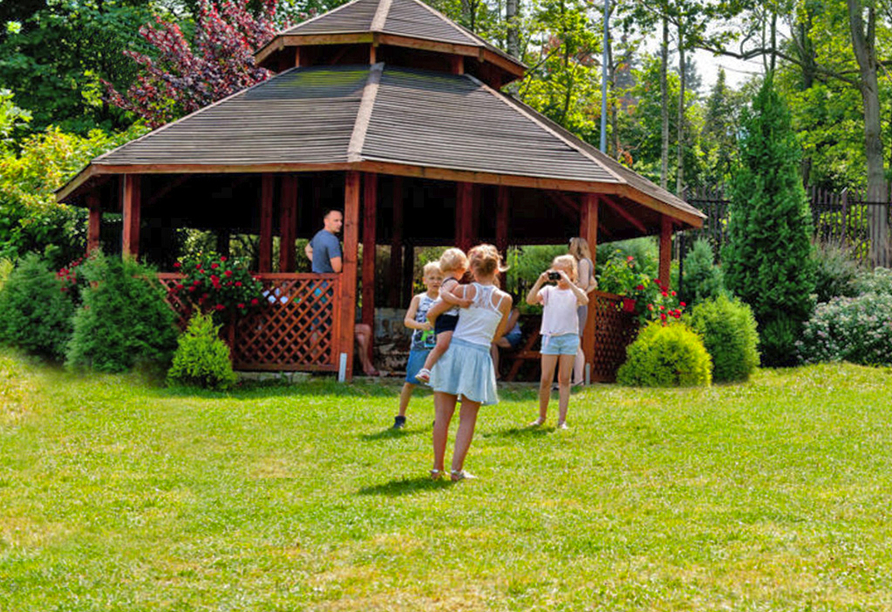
x: 768, y: 261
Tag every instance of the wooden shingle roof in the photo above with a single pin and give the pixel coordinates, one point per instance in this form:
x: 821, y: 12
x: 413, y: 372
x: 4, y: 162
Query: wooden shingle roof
x: 382, y: 119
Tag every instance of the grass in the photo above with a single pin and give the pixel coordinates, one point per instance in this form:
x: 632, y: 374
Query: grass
x: 117, y: 495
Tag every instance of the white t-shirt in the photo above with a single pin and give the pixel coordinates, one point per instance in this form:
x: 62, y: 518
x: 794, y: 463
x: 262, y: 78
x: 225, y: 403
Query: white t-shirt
x: 559, y: 312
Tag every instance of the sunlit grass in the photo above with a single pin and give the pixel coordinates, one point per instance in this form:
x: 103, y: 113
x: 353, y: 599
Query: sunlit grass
x: 774, y: 495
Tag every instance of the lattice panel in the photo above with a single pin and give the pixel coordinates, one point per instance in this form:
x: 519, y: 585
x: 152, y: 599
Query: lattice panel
x: 297, y: 330
x: 183, y: 309
x: 614, y: 331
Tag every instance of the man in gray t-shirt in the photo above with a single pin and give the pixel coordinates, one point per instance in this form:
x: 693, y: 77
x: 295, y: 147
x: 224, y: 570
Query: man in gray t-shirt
x: 324, y: 250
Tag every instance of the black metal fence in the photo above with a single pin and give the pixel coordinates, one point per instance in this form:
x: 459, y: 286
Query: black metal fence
x: 846, y: 219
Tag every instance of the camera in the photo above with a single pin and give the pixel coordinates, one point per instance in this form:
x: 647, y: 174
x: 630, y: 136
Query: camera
x: 554, y: 276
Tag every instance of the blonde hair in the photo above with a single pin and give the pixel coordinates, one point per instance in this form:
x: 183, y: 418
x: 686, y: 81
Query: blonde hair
x: 485, y: 259
x: 453, y: 260
x: 579, y: 248
x: 566, y: 261
x: 431, y: 267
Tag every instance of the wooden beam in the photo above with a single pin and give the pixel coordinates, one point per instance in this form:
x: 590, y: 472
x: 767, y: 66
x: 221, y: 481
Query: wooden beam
x: 369, y: 248
x: 94, y: 223
x: 348, y: 274
x: 502, y: 220
x: 665, y: 249
x: 588, y: 229
x: 288, y: 223
x: 625, y: 214
x: 464, y: 210
x: 396, y: 244
x: 265, y: 259
x: 131, y: 209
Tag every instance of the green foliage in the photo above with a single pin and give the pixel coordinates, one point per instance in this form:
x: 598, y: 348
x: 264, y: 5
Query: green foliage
x: 728, y: 329
x: 525, y: 264
x: 703, y: 279
x: 644, y: 250
x: 877, y: 281
x: 666, y: 356
x: 11, y: 118
x: 719, y: 133
x: 202, y: 358
x: 858, y: 330
x: 6, y: 268
x: 56, y: 61
x: 768, y: 261
x: 124, y: 321
x: 30, y: 218
x: 35, y: 312
x: 835, y: 272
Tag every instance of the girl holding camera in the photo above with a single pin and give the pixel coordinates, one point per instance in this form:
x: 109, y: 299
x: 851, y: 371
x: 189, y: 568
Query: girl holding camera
x: 560, y: 331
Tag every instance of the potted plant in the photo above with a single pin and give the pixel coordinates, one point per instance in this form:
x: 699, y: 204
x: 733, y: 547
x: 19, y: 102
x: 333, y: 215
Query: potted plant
x: 645, y: 297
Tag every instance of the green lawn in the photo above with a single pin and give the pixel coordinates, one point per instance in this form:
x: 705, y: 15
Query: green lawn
x: 774, y: 495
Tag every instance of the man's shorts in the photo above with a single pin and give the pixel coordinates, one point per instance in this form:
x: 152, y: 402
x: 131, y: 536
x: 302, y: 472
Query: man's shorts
x: 566, y: 344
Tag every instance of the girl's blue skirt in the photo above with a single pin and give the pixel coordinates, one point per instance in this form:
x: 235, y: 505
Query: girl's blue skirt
x: 465, y: 370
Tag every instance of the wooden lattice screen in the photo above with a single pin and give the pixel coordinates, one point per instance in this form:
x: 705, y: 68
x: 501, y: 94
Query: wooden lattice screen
x: 296, y: 330
x: 614, y: 331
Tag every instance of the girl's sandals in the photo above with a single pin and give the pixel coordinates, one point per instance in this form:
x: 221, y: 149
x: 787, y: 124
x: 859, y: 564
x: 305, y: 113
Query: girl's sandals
x: 458, y: 475
x: 437, y: 474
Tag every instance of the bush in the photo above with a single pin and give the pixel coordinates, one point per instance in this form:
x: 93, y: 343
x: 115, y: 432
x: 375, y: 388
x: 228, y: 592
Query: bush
x: 6, y: 268
x: 666, y: 356
x: 729, y: 333
x: 35, y: 312
x: 202, y: 359
x: 768, y: 259
x: 835, y: 272
x: 703, y: 279
x: 644, y: 250
x: 857, y: 330
x: 124, y: 320
x: 879, y: 281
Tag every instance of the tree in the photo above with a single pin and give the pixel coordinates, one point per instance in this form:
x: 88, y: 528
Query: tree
x: 12, y: 118
x: 719, y: 134
x: 768, y: 261
x: 188, y: 76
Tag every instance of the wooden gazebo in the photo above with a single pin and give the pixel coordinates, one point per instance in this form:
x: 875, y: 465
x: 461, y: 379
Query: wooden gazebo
x: 391, y: 111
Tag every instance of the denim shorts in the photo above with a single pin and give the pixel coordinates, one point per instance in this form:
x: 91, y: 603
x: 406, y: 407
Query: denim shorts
x: 566, y: 344
x: 415, y: 363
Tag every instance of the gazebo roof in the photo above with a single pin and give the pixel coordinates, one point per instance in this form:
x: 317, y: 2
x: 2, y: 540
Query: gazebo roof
x: 385, y: 119
x: 400, y: 23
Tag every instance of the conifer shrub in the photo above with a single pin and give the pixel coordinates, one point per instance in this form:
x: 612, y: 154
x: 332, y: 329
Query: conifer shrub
x: 124, y: 321
x: 6, y: 268
x: 857, y: 330
x: 768, y: 260
x: 729, y: 333
x: 35, y: 312
x: 703, y: 279
x: 202, y: 359
x: 666, y: 356
x: 836, y: 271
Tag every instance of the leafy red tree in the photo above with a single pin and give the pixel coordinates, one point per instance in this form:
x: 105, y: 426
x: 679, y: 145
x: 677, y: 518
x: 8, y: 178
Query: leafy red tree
x: 184, y: 76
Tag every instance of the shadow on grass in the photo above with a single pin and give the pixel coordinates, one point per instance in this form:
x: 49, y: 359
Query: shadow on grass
x: 389, y: 434
x: 406, y: 486
x: 520, y: 433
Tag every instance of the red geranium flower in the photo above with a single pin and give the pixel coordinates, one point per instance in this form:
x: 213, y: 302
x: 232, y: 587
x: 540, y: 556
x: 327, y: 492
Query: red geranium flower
x: 176, y: 264
x: 214, y: 266
x: 223, y: 258
x: 219, y: 306
x: 229, y: 273
x: 254, y: 302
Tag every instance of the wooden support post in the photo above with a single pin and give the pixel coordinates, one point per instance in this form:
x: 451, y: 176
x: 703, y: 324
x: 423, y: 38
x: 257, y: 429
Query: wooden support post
x: 502, y: 221
x: 588, y: 229
x: 408, y: 273
x: 94, y: 223
x: 396, y: 244
x: 131, y: 209
x: 373, y: 54
x: 348, y: 273
x: 369, y: 248
x: 287, y: 223
x: 458, y: 64
x: 464, y: 207
x: 297, y: 57
x: 665, y: 249
x: 265, y: 259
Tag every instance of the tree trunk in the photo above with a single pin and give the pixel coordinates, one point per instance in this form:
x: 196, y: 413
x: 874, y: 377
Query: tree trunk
x: 864, y: 45
x: 513, y: 33
x: 664, y: 107
x: 679, y: 177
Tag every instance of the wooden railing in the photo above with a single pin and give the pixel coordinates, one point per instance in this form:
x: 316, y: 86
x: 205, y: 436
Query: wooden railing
x: 297, y: 329
x: 615, y: 329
